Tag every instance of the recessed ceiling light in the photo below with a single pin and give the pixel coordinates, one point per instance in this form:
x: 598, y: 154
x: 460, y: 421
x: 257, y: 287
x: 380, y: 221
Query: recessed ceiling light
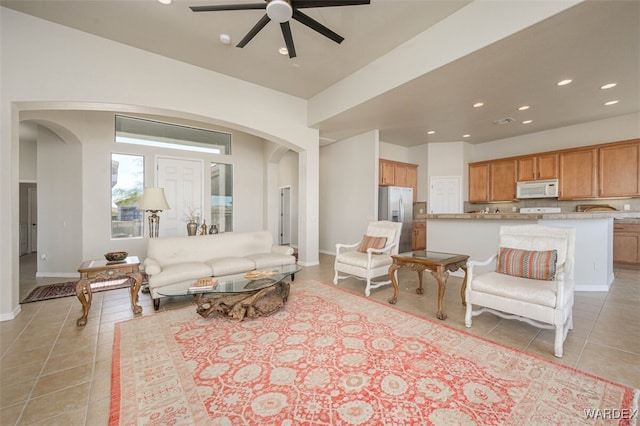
x: 564, y: 82
x: 165, y: 1
x: 225, y: 38
x: 524, y: 108
x: 608, y: 86
x: 527, y: 121
x: 431, y: 132
x: 478, y: 104
x: 466, y: 136
x: 611, y: 102
x: 283, y: 51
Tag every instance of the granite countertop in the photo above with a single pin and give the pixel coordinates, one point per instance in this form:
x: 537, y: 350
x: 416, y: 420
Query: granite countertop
x: 618, y: 216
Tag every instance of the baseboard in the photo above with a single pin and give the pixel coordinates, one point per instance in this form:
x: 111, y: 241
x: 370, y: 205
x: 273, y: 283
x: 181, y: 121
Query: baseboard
x: 57, y: 275
x: 309, y: 263
x: 11, y: 315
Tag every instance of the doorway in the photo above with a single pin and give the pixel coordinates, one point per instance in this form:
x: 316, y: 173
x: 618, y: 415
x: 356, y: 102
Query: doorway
x: 285, y: 215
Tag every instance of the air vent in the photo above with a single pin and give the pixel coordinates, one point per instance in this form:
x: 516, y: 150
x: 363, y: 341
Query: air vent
x: 505, y: 120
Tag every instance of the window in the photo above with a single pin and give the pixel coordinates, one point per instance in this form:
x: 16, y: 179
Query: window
x: 222, y: 196
x: 127, y: 185
x: 163, y: 135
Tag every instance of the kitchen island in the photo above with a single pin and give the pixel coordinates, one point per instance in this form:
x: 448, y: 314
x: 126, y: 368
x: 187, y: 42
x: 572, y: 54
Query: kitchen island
x: 476, y: 234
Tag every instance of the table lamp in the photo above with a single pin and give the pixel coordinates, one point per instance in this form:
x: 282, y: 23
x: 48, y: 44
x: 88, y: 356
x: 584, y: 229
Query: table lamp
x: 153, y: 201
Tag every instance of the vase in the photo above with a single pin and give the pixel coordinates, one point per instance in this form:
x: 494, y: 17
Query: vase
x: 192, y: 228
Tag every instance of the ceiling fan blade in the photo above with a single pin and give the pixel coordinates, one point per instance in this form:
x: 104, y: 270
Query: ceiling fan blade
x: 243, y: 6
x: 255, y: 30
x: 328, y: 3
x: 288, y: 38
x: 317, y: 26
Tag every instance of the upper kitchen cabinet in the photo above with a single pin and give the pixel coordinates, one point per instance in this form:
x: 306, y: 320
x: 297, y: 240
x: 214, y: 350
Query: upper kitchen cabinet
x: 412, y: 180
x: 619, y: 170
x: 492, y: 181
x: 387, y: 172
x: 502, y: 180
x: 578, y: 174
x: 479, y: 182
x: 396, y: 173
x: 538, y: 167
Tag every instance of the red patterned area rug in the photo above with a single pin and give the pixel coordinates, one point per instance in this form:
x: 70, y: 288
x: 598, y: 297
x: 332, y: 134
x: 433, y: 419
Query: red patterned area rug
x: 334, y: 358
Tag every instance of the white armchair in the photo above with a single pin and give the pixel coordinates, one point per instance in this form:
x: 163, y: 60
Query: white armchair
x: 529, y: 284
x: 373, y: 262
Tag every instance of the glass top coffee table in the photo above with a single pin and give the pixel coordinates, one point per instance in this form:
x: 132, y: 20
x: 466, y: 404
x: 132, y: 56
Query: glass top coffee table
x: 255, y: 293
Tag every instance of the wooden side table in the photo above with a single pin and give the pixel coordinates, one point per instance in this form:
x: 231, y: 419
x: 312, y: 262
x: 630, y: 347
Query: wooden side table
x: 101, y: 270
x: 439, y: 264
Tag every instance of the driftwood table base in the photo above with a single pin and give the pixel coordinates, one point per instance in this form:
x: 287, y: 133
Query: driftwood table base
x: 239, y: 306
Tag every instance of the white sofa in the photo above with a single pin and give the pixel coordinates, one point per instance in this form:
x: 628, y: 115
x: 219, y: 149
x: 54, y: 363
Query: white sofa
x: 175, y: 261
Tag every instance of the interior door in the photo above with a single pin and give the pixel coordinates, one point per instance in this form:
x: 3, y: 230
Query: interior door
x: 33, y: 219
x: 182, y: 181
x: 445, y: 194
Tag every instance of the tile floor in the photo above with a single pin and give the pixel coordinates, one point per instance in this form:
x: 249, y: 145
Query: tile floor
x: 54, y: 373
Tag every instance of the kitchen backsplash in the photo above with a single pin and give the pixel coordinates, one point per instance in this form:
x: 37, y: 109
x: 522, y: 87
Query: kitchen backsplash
x: 565, y: 206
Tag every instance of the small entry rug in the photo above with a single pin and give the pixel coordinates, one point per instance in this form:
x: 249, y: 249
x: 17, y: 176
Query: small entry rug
x: 54, y: 291
x: 334, y: 358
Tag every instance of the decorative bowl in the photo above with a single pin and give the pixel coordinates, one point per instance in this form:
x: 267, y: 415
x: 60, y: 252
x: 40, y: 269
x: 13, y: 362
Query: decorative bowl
x: 116, y: 256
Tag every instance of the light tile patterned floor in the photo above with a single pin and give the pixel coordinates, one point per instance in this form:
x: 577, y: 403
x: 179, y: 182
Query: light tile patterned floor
x: 52, y: 372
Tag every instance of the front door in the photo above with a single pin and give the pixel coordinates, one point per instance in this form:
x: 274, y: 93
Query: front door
x: 183, y: 186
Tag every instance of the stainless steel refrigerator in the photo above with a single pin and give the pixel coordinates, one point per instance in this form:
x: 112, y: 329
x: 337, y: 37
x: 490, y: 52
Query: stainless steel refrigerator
x: 396, y: 204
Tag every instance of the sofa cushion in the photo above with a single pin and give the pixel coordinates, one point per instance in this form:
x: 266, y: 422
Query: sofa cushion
x: 180, y: 272
x: 230, y: 265
x: 537, y: 292
x: 267, y: 260
x: 536, y: 265
x: 355, y: 258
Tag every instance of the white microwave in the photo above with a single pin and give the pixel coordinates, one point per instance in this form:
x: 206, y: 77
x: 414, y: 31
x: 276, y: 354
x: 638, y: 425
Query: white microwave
x: 537, y: 189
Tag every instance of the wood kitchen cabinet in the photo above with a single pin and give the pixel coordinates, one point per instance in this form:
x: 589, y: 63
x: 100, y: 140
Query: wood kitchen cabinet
x: 502, y: 180
x: 387, y: 172
x: 626, y: 243
x: 538, y: 167
x: 419, y: 237
x: 492, y: 181
x: 412, y: 180
x: 479, y: 182
x: 619, y: 170
x: 396, y: 173
x: 578, y: 174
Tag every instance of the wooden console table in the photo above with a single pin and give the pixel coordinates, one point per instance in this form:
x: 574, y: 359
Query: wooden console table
x: 439, y: 264
x: 100, y: 270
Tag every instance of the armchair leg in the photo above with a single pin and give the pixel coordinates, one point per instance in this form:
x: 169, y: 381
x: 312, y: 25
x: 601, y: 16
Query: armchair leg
x: 367, y: 289
x: 335, y: 279
x: 468, y: 315
x: 559, y: 341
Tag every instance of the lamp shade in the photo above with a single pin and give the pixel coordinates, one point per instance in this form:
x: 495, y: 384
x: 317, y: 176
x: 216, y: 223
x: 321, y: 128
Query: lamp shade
x: 153, y: 199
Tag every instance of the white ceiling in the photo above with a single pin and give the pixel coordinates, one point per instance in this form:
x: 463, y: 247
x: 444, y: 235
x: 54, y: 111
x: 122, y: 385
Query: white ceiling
x: 593, y: 43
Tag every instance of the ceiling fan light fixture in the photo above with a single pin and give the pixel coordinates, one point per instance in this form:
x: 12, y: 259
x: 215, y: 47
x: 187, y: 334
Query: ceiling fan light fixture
x: 279, y: 10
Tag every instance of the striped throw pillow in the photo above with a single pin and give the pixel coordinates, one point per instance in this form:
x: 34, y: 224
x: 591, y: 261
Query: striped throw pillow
x: 536, y: 265
x: 371, y: 242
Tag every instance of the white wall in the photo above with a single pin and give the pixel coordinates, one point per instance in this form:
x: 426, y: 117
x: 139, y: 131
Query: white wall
x: 348, y: 189
x: 28, y: 158
x: 595, y: 132
x: 60, y: 201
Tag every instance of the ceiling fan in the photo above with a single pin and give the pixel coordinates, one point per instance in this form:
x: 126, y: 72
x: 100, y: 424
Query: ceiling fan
x: 282, y: 11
